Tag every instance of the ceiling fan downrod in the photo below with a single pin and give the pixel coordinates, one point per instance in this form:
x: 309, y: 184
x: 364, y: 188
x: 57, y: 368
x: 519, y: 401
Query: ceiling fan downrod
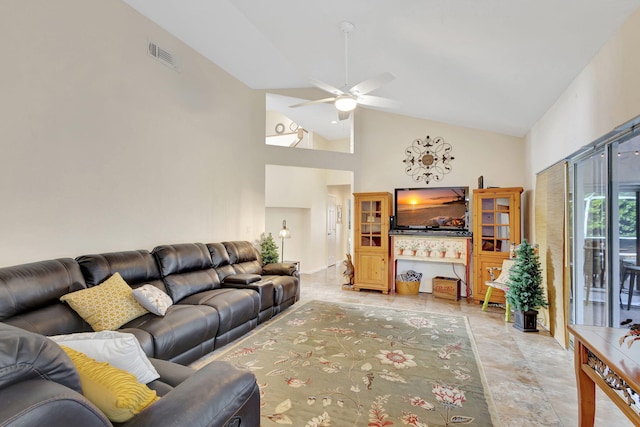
x: 347, y: 28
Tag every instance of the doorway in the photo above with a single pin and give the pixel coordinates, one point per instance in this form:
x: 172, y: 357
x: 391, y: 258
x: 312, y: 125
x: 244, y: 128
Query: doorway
x: 606, y: 204
x: 301, y: 196
x: 331, y: 230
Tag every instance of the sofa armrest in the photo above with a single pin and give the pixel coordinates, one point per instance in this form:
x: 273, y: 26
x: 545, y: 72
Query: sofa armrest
x: 26, y: 355
x: 47, y: 403
x: 218, y: 395
x: 242, y: 278
x: 280, y: 269
x: 171, y: 373
x: 264, y: 288
x: 171, y: 376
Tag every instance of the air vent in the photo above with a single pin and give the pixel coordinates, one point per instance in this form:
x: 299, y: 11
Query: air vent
x: 160, y: 54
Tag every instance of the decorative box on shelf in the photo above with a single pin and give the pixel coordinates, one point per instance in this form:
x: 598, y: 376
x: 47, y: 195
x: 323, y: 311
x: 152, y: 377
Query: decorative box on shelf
x: 446, y: 287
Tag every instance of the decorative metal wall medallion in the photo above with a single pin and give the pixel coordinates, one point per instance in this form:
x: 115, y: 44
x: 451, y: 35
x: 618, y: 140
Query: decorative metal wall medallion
x: 428, y: 159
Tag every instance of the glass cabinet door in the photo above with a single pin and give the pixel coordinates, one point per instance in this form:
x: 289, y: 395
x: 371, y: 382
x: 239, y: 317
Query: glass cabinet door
x: 495, y: 224
x: 371, y: 223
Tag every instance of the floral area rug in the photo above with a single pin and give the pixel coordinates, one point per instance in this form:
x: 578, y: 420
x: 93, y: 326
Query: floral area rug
x: 327, y: 364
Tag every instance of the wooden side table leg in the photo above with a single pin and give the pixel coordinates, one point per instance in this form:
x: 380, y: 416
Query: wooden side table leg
x: 586, y: 389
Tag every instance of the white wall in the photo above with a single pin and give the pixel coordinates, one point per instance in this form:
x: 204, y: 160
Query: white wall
x: 604, y: 95
x: 381, y: 140
x: 104, y: 148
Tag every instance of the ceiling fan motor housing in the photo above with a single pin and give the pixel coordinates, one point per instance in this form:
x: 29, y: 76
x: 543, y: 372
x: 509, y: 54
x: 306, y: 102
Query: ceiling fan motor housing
x: 346, y: 103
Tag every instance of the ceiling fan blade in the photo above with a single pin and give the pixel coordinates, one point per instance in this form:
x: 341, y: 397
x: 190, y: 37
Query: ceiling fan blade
x: 343, y: 115
x: 317, y: 101
x: 371, y: 84
x: 326, y: 87
x: 378, y: 101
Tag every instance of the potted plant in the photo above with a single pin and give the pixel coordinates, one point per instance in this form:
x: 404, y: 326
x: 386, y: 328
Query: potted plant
x: 414, y: 247
x: 427, y: 250
x: 443, y: 251
x: 458, y: 252
x: 525, y: 293
x: 401, y: 245
x: 268, y: 249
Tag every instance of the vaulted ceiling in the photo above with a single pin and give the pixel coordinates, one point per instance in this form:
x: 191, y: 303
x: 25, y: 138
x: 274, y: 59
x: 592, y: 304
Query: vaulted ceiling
x: 496, y: 65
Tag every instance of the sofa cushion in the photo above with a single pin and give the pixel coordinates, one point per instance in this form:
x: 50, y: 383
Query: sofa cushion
x: 285, y: 287
x: 117, y: 393
x: 186, y: 269
x: 119, y: 349
x: 182, y: 285
x: 182, y: 257
x: 54, y: 319
x: 238, y: 310
x: 244, y: 257
x: 182, y: 329
x: 136, y: 267
x: 32, y: 286
x: 280, y: 269
x: 106, y: 306
x: 220, y: 259
x: 219, y: 255
x: 153, y: 299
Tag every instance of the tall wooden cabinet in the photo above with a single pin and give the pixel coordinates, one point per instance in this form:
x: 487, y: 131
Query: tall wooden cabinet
x: 371, y: 248
x: 496, y: 224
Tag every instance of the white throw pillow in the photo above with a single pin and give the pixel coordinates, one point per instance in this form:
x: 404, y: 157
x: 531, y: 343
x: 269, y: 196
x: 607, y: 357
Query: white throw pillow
x: 119, y: 349
x: 153, y: 299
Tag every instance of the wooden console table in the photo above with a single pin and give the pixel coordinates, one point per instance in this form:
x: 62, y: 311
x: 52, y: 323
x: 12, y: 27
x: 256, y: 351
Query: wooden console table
x: 425, y: 248
x: 601, y: 360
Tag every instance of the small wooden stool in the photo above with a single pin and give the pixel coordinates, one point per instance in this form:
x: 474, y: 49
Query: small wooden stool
x: 499, y: 283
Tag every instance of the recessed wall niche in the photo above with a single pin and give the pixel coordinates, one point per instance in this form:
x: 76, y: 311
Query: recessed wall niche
x: 314, y: 127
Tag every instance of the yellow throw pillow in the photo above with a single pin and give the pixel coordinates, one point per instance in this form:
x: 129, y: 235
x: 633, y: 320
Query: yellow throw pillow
x: 115, y: 392
x: 107, y: 306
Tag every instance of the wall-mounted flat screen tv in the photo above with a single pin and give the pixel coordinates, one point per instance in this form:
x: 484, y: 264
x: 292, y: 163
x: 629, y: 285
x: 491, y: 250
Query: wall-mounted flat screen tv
x: 429, y: 208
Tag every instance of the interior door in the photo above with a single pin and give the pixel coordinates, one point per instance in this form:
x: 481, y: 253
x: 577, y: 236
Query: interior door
x: 331, y: 230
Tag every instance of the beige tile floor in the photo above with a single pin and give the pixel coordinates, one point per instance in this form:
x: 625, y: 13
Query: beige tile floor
x: 530, y: 376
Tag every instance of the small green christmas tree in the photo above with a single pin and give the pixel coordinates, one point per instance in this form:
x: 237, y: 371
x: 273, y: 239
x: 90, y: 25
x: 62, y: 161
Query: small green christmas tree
x: 268, y: 249
x: 525, y: 280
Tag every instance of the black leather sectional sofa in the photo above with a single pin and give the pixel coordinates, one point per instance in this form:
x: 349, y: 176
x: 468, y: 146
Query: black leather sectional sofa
x: 220, y: 291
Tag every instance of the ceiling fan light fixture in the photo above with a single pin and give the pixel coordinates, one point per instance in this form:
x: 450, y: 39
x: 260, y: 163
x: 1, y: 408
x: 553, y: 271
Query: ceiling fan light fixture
x: 345, y: 103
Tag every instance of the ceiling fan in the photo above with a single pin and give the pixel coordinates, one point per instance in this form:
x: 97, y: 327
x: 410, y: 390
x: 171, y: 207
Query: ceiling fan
x: 347, y: 99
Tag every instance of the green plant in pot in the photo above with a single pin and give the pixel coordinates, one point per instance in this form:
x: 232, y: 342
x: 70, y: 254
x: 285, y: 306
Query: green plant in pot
x: 525, y: 293
x: 268, y: 249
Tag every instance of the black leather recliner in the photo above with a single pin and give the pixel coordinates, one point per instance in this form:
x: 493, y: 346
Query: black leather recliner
x: 188, y: 275
x: 39, y: 386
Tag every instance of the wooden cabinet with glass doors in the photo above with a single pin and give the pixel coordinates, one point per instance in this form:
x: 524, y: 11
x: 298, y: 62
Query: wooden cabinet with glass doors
x: 496, y: 224
x: 371, y: 249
